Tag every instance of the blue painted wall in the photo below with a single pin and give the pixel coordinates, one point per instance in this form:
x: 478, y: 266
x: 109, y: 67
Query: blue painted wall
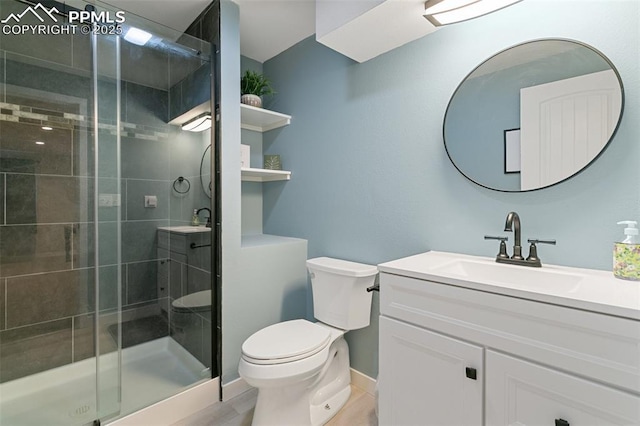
x: 372, y: 182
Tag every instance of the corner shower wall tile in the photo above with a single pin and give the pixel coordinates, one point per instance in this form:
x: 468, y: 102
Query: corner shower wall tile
x: 60, y: 295
x: 84, y: 153
x: 107, y: 150
x: 20, y: 71
x: 2, y: 198
x: 106, y: 51
x: 186, y: 150
x: 137, y: 190
x: 139, y: 240
x: 145, y: 105
x: 2, y: 88
x: 84, y: 244
x: 83, y: 337
x: 41, y: 102
x: 195, y: 29
x: 30, y: 249
x: 186, y: 329
x: 177, y: 276
x: 144, y: 66
x: 109, y: 286
x: 48, y: 199
x: 175, y: 101
x: 142, y: 282
x: 207, y: 339
x: 211, y: 25
x: 196, y: 87
x: 56, y: 49
x: 145, y: 159
x: 108, y: 99
x: 182, y: 205
x: 3, y: 307
x: 29, y: 350
x: 184, y: 63
x: 111, y: 187
x: 197, y: 280
x: 20, y: 154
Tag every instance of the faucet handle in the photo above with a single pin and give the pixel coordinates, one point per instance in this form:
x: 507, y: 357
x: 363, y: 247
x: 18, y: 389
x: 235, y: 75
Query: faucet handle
x: 533, y: 251
x: 503, y: 245
x: 537, y: 241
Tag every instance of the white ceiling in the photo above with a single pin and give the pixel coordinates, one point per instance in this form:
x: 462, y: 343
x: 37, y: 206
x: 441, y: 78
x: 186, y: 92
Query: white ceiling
x: 267, y: 27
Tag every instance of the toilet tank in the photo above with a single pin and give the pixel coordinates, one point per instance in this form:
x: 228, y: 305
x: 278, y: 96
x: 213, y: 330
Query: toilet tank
x: 340, y: 296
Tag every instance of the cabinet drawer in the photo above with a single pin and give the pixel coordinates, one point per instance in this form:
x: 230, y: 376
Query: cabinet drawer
x: 589, y: 344
x: 523, y: 393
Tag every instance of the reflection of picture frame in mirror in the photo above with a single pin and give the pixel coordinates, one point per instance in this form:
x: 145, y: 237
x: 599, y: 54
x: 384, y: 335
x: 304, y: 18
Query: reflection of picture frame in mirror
x: 524, y: 86
x: 512, y: 151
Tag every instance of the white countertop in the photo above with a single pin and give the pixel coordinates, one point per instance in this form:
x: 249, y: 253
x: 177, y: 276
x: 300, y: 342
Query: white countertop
x: 185, y: 229
x: 588, y: 289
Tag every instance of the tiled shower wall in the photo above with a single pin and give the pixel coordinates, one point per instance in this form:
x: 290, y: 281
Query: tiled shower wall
x: 47, y: 299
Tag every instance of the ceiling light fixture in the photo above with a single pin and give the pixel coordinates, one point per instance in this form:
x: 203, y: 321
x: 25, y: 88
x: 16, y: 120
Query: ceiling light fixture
x: 137, y: 36
x: 39, y: 143
x: 47, y: 128
x: 444, y: 12
x: 198, y: 124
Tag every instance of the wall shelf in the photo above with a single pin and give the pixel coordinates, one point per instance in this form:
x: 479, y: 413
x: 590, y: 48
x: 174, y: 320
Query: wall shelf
x: 262, y: 120
x: 263, y: 175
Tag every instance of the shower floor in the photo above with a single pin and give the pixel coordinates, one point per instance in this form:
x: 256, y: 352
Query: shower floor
x: 66, y: 396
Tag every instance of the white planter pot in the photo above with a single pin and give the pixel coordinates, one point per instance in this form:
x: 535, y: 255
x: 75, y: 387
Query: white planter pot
x: 252, y: 100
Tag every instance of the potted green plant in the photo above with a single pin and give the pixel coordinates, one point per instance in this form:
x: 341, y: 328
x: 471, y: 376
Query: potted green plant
x: 252, y: 86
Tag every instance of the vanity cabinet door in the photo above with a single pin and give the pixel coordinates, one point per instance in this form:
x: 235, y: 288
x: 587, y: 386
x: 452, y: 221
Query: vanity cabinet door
x: 526, y: 394
x: 427, y: 378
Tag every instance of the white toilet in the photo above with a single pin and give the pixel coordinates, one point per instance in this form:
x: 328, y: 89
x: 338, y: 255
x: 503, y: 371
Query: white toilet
x: 301, y: 368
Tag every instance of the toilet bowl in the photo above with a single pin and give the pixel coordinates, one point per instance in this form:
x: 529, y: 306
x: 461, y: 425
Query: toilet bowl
x: 301, y: 368
x: 200, y: 301
x: 189, y: 308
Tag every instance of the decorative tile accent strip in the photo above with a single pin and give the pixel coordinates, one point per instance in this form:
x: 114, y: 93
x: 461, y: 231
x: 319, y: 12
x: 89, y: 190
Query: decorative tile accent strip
x: 19, y: 113
x: 74, y: 116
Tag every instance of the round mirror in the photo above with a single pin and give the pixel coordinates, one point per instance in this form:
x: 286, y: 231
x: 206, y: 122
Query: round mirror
x: 533, y: 115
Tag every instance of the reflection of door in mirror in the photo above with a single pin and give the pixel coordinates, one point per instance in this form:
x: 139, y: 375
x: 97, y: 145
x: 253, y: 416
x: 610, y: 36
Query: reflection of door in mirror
x: 565, y: 124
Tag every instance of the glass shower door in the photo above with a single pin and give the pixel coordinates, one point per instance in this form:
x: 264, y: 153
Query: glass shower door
x: 59, y: 248
x: 107, y: 227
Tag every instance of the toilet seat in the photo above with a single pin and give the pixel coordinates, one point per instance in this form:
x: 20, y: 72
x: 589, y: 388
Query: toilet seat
x: 285, y: 342
x: 199, y: 301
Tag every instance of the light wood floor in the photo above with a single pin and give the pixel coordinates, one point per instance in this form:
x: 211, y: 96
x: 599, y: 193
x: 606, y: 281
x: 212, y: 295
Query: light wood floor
x: 358, y: 411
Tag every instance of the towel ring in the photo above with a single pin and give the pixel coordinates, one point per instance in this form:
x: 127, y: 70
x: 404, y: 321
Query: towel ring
x: 180, y: 181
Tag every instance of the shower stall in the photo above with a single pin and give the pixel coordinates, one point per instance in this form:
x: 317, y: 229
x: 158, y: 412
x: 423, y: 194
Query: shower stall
x: 106, y: 296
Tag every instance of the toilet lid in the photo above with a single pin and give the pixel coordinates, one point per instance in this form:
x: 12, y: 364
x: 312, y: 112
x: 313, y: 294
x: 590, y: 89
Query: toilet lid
x: 286, y: 341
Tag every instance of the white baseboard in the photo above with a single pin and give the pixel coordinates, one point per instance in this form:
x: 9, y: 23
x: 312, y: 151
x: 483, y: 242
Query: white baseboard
x: 175, y: 408
x: 239, y: 386
x: 363, y: 382
x: 234, y: 388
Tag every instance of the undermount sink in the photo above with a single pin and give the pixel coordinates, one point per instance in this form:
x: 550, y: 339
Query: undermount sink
x: 514, y: 276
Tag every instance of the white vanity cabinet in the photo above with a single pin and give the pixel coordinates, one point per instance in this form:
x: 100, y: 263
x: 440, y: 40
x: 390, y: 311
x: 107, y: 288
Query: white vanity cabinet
x: 425, y: 377
x: 524, y: 393
x: 453, y: 353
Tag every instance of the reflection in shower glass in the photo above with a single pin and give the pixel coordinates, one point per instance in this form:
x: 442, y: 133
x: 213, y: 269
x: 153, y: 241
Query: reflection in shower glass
x: 104, y: 307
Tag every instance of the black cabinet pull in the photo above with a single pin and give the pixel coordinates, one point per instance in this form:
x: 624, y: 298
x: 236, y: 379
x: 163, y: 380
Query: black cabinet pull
x: 562, y: 422
x: 472, y: 374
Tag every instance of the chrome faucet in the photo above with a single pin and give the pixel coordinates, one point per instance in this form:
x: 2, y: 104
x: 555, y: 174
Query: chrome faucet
x: 513, y: 224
